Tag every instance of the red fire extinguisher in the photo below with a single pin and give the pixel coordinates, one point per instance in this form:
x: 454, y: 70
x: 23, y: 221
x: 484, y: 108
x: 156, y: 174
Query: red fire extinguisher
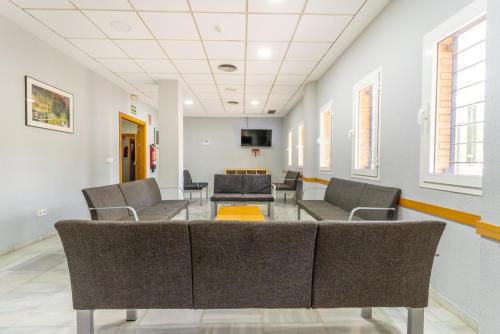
x: 152, y: 157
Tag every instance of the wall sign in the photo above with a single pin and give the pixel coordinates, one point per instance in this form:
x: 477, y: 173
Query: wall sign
x: 133, y: 109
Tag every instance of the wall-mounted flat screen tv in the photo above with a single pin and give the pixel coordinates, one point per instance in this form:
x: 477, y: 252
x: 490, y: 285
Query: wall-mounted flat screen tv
x: 256, y: 138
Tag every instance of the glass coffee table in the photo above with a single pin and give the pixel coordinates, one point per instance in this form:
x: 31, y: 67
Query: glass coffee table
x: 241, y: 213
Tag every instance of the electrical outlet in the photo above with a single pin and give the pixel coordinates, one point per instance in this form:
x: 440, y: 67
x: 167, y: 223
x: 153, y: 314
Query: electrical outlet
x: 41, y: 212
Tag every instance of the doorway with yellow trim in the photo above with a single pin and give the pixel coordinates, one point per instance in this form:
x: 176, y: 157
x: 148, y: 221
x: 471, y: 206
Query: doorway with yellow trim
x: 133, y: 154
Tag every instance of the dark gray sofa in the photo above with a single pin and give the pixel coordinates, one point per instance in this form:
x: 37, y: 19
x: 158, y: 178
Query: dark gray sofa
x: 206, y: 265
x: 242, y: 188
x: 350, y: 200
x: 132, y: 201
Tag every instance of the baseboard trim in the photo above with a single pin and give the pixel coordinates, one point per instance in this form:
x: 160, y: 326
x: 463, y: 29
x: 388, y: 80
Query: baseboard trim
x: 455, y: 309
x: 27, y: 243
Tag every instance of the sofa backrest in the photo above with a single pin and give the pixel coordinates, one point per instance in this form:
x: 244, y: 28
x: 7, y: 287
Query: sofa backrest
x: 291, y: 178
x: 141, y: 193
x: 257, y: 184
x: 106, y: 196
x: 187, y: 178
x: 228, y: 184
x: 362, y: 264
x: 348, y: 195
x: 122, y: 265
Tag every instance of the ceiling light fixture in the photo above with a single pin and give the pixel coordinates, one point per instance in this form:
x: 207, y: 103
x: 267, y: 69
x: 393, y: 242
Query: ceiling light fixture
x: 233, y: 102
x: 188, y: 102
x: 227, y: 67
x: 254, y: 103
x: 120, y: 26
x: 264, y: 52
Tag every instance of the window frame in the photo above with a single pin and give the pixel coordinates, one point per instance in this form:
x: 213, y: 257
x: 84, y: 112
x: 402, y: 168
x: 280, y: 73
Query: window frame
x: 300, y: 146
x: 328, y: 107
x: 290, y: 148
x: 466, y: 184
x: 374, y: 78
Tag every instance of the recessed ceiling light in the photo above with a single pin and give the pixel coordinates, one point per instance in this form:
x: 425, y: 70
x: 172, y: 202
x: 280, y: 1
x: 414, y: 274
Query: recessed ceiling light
x: 120, y: 26
x: 271, y: 111
x: 264, y: 52
x: 188, y: 102
x: 227, y: 67
x: 254, y: 103
x: 233, y: 102
x: 231, y: 89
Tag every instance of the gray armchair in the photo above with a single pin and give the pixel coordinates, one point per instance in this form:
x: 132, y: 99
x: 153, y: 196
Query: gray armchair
x: 288, y: 186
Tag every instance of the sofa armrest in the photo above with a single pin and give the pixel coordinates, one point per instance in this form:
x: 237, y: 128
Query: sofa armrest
x: 131, y: 209
x: 361, y: 208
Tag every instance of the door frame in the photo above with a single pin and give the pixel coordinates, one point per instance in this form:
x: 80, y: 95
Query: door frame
x: 140, y: 146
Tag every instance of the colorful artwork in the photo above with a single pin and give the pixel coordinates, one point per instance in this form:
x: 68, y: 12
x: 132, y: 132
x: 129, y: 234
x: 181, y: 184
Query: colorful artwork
x: 48, y: 107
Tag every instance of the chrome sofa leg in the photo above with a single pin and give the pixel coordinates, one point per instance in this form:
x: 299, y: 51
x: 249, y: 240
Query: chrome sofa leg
x: 366, y: 312
x: 415, y: 321
x: 131, y: 315
x: 201, y: 197
x: 284, y: 198
x: 85, y: 321
x: 190, y: 195
x: 187, y: 213
x: 298, y: 213
x: 213, y: 210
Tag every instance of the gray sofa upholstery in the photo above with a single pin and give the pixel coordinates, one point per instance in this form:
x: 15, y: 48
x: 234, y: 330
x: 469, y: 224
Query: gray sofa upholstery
x: 190, y: 186
x: 289, y: 185
x: 137, y: 200
x: 202, y: 264
x: 350, y: 200
x: 242, y: 188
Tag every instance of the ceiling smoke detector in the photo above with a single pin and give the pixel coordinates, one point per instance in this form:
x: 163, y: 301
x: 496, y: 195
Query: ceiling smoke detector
x: 271, y: 111
x: 233, y: 102
x: 227, y: 67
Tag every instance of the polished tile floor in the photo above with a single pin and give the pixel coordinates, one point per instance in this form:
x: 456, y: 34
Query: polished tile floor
x: 35, y: 298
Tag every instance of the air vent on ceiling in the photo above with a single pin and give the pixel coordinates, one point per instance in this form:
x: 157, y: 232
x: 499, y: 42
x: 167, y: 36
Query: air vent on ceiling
x: 271, y: 111
x: 227, y: 67
x: 233, y: 102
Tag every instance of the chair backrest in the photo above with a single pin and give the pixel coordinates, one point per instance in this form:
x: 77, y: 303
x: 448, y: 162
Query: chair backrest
x: 187, y: 178
x: 122, y: 265
x: 228, y: 184
x: 257, y: 184
x: 370, y: 264
x: 141, y: 193
x: 348, y: 195
x: 252, y: 265
x: 291, y: 179
x: 106, y: 196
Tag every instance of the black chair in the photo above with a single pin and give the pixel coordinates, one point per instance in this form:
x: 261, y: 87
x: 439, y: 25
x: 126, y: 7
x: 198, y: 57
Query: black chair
x: 190, y: 186
x: 289, y: 185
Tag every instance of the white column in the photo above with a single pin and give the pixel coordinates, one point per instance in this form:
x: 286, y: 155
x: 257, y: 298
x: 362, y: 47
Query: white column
x: 171, y: 153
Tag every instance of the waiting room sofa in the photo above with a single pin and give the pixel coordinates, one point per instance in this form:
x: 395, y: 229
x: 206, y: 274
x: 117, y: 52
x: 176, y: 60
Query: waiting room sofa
x: 132, y: 201
x: 228, y: 265
x: 350, y: 200
x: 230, y: 188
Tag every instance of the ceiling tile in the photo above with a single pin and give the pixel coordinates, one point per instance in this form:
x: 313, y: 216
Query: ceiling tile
x: 99, y: 48
x: 334, y: 6
x: 204, y: 89
x: 142, y: 49
x: 321, y: 28
x: 266, y: 50
x: 118, y: 24
x: 271, y: 27
x: 208, y: 96
x: 258, y: 89
x: 259, y: 98
x: 156, y: 65
x: 254, y: 109
x: 99, y: 4
x: 212, y: 102
x: 68, y: 23
x: 199, y: 79
x: 225, y: 50
x: 259, y: 79
x: 228, y: 79
x: 218, y: 5
x: 284, y: 89
x: 262, y: 67
x: 238, y: 109
x: 121, y: 65
x: 170, y: 5
x: 273, y: 6
x: 146, y: 88
x: 307, y: 51
x: 183, y: 49
x: 192, y: 66
x: 215, y: 26
x: 227, y: 89
x: 232, y: 97
x: 297, y: 67
x: 215, y: 110
x: 240, y: 66
x: 136, y: 78
x: 171, y: 25
x: 294, y: 80
x: 47, y: 4
x: 164, y: 76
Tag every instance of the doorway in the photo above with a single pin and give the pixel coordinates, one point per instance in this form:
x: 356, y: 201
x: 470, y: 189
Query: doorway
x: 132, y: 148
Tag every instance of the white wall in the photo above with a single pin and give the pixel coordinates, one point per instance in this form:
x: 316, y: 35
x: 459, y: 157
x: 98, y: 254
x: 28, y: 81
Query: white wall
x: 224, y: 150
x: 47, y: 169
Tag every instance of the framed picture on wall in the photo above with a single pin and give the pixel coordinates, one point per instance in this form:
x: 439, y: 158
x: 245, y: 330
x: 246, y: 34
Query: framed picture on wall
x: 157, y: 137
x: 48, y: 107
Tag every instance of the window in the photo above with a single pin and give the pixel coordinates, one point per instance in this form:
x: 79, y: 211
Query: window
x: 289, y: 149
x: 300, y: 147
x: 325, y: 140
x: 453, y: 95
x: 365, y: 144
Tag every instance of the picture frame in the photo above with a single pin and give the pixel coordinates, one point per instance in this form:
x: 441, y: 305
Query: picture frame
x: 48, y: 107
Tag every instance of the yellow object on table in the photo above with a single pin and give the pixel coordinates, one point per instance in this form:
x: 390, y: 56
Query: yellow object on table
x: 243, y: 213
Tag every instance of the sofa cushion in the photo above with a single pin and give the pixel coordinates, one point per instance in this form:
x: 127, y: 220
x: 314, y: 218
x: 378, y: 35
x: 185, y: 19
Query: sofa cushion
x: 226, y: 197
x: 374, y: 264
x: 334, y: 190
x: 166, y: 208
x: 322, y: 210
x: 291, y: 178
x: 147, y: 217
x: 283, y: 187
x: 350, y: 195
x: 106, y: 196
x: 119, y: 265
x: 141, y: 193
x: 249, y: 265
x: 196, y: 186
x: 257, y: 184
x: 228, y: 184
x: 187, y: 178
x: 383, y: 197
x: 258, y: 197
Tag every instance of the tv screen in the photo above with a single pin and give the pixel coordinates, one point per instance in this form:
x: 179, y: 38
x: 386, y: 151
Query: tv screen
x: 258, y: 138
